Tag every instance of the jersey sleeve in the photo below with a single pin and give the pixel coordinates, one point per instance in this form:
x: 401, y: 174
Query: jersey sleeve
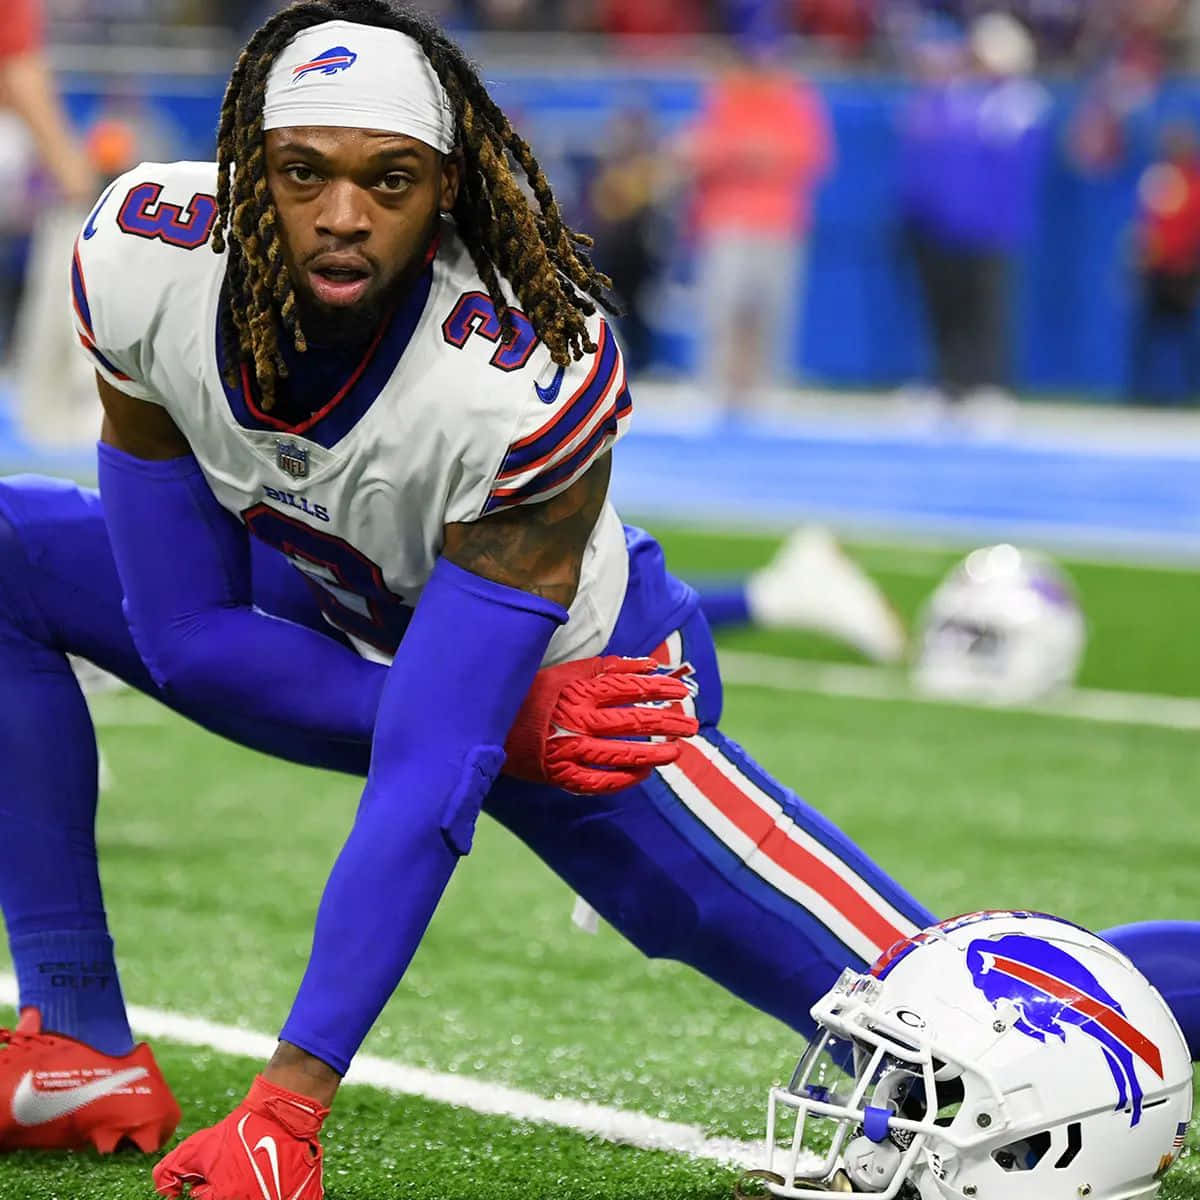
x: 569, y: 421
x: 133, y: 251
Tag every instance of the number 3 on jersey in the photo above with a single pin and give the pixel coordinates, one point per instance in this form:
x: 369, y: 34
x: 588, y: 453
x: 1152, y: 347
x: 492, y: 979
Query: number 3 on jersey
x: 475, y: 314
x: 144, y: 215
x: 348, y: 585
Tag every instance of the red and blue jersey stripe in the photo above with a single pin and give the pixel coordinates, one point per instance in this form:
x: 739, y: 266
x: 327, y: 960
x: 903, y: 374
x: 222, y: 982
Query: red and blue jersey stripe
x: 564, y: 446
x: 544, y: 444
x: 83, y: 311
x: 79, y: 295
x: 601, y: 437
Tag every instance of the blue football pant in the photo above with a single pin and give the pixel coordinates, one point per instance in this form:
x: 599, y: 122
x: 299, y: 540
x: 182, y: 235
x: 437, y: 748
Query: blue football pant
x: 710, y: 862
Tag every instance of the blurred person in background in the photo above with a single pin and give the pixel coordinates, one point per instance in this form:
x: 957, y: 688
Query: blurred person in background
x: 755, y: 156
x: 1167, y: 263
x: 1128, y: 47
x: 56, y: 401
x: 846, y: 26
x: 622, y: 204
x: 26, y: 87
x: 972, y: 147
x: 652, y: 18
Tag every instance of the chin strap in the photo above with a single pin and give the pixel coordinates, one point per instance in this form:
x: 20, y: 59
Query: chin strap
x: 748, y: 1188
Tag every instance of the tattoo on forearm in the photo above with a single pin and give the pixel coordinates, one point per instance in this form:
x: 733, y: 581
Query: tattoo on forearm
x: 538, y: 548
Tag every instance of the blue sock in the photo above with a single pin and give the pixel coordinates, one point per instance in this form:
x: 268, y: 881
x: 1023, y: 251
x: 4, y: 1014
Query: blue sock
x: 725, y: 605
x: 49, y: 878
x: 1168, y: 954
x: 71, y: 978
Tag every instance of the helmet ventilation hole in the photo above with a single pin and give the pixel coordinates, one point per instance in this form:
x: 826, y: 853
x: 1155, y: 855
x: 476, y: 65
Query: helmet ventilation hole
x: 1023, y: 1155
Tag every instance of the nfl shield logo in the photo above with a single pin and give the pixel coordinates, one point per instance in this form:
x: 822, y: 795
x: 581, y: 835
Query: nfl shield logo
x: 292, y: 459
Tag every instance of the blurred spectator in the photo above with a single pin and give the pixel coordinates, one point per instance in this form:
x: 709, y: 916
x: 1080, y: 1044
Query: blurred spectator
x: 756, y: 154
x: 846, y: 25
x: 52, y: 379
x: 972, y: 146
x: 659, y: 18
x: 622, y: 219
x: 1168, y: 264
x: 27, y: 88
x: 1130, y: 62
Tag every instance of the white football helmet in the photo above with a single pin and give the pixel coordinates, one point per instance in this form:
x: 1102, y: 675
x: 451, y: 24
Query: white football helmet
x: 1004, y: 625
x: 1002, y: 1056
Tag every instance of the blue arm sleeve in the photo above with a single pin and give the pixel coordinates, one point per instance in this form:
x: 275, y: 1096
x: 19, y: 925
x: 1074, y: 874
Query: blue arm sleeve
x: 467, y: 660
x: 184, y: 564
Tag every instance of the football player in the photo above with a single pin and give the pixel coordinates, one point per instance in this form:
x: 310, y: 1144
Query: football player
x: 353, y: 475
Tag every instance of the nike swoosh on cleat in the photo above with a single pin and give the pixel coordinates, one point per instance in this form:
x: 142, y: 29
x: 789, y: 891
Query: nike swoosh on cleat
x: 548, y: 395
x: 33, y: 1107
x: 90, y: 230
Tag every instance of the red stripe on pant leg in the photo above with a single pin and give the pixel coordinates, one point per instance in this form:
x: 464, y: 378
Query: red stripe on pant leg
x: 805, y: 867
x: 661, y: 654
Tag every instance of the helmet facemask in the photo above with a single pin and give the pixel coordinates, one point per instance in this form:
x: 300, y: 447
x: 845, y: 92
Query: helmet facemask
x: 870, y: 1106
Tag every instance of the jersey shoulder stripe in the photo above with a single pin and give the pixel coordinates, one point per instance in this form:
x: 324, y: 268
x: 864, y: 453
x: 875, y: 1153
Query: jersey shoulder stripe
x: 603, y: 411
x: 576, y: 414
x: 86, y: 334
x: 79, y: 294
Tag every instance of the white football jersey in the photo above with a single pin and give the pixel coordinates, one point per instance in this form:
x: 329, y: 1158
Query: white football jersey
x: 441, y: 422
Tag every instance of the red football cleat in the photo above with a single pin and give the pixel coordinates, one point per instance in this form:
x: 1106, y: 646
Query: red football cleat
x: 59, y: 1094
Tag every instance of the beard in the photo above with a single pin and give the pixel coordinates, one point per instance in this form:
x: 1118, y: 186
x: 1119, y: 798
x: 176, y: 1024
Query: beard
x: 346, y: 326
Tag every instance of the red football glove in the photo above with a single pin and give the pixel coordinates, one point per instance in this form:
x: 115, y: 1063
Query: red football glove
x: 266, y: 1149
x: 579, y: 725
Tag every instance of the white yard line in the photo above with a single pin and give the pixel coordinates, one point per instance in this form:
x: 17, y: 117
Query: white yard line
x: 580, y: 1116
x: 782, y: 674
x: 879, y: 683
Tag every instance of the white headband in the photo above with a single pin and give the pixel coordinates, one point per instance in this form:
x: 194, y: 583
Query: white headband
x: 359, y: 77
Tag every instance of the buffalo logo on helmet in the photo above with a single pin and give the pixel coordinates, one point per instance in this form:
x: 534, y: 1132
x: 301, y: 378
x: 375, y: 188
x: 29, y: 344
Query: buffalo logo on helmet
x: 1051, y: 990
x: 330, y: 62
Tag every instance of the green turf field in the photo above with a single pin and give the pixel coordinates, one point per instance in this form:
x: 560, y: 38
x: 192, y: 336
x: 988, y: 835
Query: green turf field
x: 212, y: 905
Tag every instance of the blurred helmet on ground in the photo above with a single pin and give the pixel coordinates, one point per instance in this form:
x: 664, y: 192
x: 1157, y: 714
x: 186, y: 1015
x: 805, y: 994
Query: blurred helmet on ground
x: 1004, y: 625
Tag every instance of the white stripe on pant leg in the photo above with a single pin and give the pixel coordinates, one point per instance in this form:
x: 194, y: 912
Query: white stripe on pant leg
x: 744, y: 847
x: 674, y: 645
x: 802, y: 838
x: 674, y: 648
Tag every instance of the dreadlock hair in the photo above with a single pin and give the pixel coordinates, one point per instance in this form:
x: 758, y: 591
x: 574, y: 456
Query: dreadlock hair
x: 543, y: 260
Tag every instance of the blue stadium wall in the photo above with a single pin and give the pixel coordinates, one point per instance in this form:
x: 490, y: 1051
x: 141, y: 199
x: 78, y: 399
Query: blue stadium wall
x: 863, y: 325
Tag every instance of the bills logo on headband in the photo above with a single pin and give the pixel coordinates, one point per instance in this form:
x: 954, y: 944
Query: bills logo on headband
x: 1051, y: 990
x: 329, y: 63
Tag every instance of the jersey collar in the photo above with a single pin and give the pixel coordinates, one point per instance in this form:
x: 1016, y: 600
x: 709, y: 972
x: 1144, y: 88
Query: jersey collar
x: 337, y: 416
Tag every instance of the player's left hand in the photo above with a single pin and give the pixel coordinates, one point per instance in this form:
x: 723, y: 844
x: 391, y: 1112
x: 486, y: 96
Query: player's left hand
x: 585, y: 725
x: 268, y: 1146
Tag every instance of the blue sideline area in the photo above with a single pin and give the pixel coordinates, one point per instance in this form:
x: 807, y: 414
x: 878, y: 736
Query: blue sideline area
x: 1130, y: 505
x: 862, y: 322
x: 1124, y: 484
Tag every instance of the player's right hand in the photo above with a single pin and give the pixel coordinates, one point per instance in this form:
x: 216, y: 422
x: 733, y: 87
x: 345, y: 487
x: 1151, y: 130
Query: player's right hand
x: 585, y: 725
x: 268, y: 1146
